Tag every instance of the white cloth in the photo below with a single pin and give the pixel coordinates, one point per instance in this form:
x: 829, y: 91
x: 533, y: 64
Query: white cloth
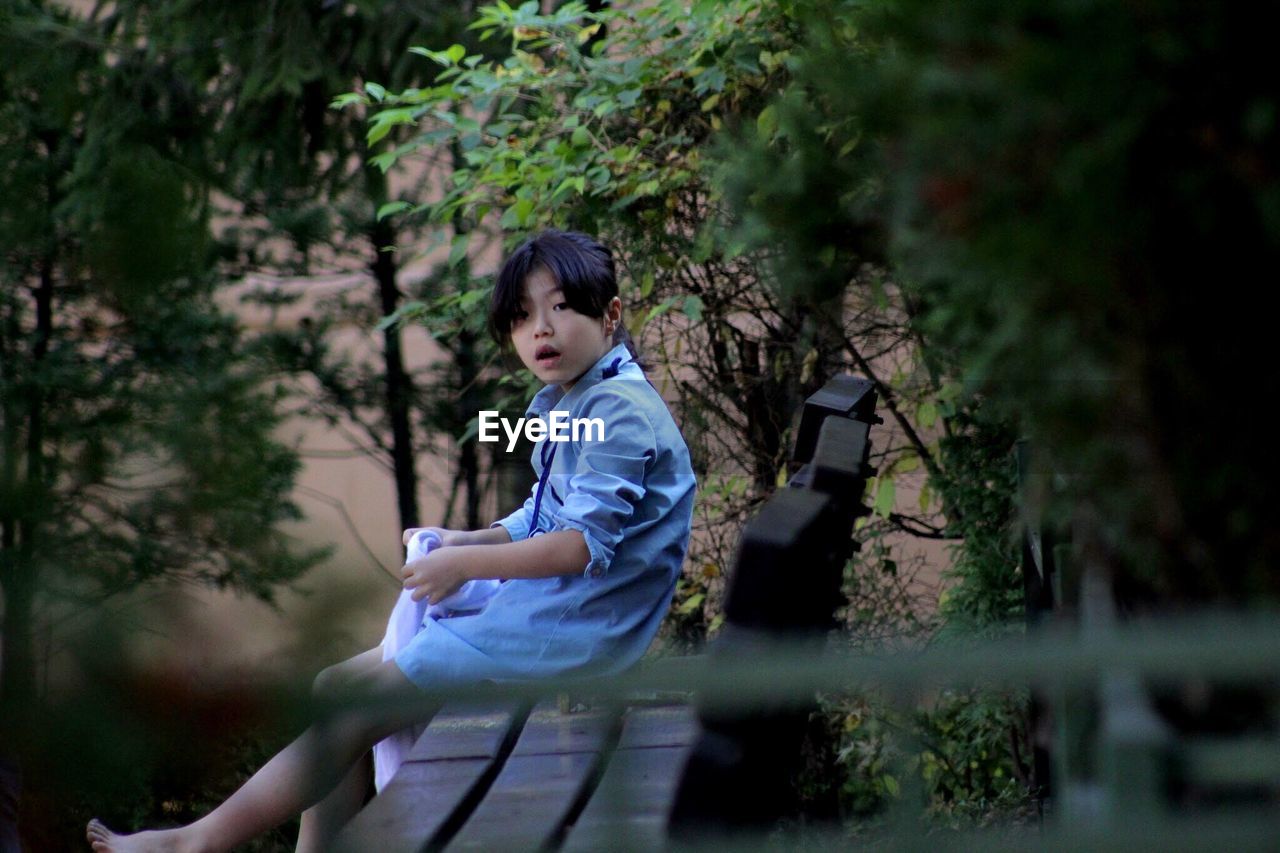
x: 402, y: 626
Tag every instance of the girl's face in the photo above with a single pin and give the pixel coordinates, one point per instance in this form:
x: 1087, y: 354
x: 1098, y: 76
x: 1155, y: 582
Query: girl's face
x: 557, y: 343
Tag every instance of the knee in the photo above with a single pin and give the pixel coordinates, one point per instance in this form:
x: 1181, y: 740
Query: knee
x: 336, y: 702
x: 345, y: 680
x: 328, y: 684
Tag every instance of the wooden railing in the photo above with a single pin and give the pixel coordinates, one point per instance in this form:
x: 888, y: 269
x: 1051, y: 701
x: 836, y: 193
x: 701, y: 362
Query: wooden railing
x: 1107, y: 756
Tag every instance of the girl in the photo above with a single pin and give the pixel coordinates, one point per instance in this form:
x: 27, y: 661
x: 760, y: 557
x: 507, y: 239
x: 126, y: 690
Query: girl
x: 588, y: 563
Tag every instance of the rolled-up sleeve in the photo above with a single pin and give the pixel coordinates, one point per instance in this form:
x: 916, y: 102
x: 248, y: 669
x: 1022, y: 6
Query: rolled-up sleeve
x: 608, y: 478
x: 519, y: 522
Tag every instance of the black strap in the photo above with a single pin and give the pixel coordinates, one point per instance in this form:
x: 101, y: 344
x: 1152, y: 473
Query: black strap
x: 542, y: 484
x: 547, y: 460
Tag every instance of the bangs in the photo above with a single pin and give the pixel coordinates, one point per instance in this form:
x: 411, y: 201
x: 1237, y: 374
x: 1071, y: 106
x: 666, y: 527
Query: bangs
x: 508, y: 294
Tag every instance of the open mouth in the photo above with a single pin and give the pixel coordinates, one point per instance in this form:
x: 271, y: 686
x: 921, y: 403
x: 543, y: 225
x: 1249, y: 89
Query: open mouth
x: 546, y: 354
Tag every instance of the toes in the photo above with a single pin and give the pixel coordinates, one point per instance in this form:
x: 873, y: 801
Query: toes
x: 97, y: 832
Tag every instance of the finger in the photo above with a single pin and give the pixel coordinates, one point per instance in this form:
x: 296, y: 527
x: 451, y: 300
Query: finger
x: 409, y: 534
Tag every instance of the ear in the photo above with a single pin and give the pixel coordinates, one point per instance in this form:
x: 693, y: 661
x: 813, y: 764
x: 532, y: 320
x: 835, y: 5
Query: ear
x: 613, y: 313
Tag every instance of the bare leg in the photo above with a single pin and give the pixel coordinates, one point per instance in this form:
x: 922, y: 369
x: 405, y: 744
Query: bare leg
x: 295, y: 779
x: 322, y: 822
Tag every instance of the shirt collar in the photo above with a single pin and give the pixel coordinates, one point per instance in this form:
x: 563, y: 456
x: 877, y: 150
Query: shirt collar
x: 553, y: 396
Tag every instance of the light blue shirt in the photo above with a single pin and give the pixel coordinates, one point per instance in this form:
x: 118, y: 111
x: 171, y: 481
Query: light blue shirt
x: 631, y: 496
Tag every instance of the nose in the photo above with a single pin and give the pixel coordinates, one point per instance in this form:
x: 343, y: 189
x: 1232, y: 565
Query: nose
x: 541, y: 323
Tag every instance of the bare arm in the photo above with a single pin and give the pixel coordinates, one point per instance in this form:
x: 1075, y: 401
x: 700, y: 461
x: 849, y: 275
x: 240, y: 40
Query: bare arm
x: 489, y: 536
x: 442, y: 571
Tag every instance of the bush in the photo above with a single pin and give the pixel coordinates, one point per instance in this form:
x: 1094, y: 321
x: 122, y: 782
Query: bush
x: 965, y: 753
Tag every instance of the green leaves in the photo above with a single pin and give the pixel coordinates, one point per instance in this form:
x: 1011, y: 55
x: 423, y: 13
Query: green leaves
x: 518, y: 215
x: 392, y: 207
x: 656, y: 311
x: 406, y: 311
x: 693, y: 307
x: 385, y: 120
x: 458, y: 248
x: 600, y: 127
x: 767, y: 122
x: 448, y: 57
x: 883, y: 493
x: 691, y: 604
x: 927, y: 414
x: 348, y: 99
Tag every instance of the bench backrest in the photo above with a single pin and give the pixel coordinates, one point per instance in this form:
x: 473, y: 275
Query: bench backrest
x: 785, y: 584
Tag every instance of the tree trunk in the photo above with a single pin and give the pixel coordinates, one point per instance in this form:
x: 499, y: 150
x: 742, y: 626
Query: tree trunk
x: 468, y: 458
x: 398, y: 383
x: 17, y: 564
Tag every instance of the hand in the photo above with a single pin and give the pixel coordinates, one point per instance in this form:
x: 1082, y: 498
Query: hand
x: 436, y: 576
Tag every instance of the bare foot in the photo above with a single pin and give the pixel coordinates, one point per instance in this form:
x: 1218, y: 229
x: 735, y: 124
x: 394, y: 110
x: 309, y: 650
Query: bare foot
x: 103, y: 840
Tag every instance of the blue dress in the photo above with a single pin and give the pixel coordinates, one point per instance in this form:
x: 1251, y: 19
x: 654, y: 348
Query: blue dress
x: 631, y: 496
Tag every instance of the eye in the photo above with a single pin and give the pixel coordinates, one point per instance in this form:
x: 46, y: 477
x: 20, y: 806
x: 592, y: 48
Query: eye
x: 562, y: 306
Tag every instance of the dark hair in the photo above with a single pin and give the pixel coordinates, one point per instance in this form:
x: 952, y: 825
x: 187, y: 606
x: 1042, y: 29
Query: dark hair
x: 582, y: 267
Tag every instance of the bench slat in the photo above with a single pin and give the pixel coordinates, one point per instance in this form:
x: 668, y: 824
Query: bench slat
x: 466, y: 731
x: 548, y: 775
x: 666, y: 725
x: 628, y: 810
x: 447, y: 771
x: 550, y: 732
x: 529, y: 802
x: 415, y: 807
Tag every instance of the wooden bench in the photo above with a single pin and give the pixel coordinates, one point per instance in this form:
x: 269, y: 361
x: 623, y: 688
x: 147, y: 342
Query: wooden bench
x: 504, y: 776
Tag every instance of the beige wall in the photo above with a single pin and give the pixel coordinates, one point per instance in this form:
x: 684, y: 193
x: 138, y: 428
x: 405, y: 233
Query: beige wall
x: 349, y: 503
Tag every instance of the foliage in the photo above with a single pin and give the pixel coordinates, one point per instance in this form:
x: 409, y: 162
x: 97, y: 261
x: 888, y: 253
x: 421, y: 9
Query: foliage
x: 139, y: 748
x: 964, y: 752
x: 811, y: 193
x: 985, y: 592
x: 298, y: 200
x: 615, y: 122
x: 975, y: 755
x: 886, y: 606
x: 1062, y: 184
x: 136, y: 425
x: 137, y: 434
x: 1080, y: 207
